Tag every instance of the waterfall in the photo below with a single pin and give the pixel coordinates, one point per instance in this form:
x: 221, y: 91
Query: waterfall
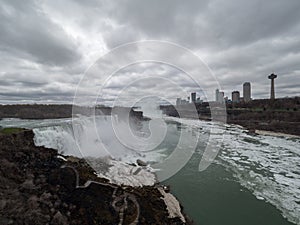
x: 88, y: 137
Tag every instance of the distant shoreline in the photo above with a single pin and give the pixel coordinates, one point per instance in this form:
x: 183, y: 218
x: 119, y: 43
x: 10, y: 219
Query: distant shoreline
x: 54, y: 111
x: 276, y: 134
x: 275, y: 127
x: 280, y: 115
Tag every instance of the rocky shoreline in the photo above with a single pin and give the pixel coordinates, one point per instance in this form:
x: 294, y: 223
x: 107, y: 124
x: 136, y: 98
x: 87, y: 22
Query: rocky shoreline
x: 38, y: 186
x: 276, y: 127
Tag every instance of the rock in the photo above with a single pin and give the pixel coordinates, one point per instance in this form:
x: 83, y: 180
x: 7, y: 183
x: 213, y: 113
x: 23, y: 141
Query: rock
x: 35, y: 217
x: 59, y: 219
x: 40, y: 180
x: 166, y: 188
x: 3, y: 203
x: 28, y: 184
x: 64, y: 177
x: 251, y: 131
x: 57, y: 203
x: 6, y: 221
x: 45, y: 196
x: 33, y: 202
x: 10, y: 169
x: 141, y: 163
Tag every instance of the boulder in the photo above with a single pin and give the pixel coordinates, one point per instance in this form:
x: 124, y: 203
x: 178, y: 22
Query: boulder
x: 141, y: 163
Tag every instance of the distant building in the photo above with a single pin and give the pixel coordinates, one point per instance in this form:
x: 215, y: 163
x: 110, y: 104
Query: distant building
x: 272, y: 77
x: 235, y: 96
x: 193, y: 97
x: 219, y: 96
x: 247, y: 91
x: 183, y: 102
x: 178, y: 101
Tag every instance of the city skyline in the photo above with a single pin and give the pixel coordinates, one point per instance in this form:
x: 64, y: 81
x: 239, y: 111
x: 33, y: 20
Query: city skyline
x: 236, y: 96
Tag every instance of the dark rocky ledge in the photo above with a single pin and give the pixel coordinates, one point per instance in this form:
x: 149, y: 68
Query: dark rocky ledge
x: 38, y: 187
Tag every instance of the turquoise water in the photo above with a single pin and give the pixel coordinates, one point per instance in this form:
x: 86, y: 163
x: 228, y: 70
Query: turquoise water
x: 215, y: 197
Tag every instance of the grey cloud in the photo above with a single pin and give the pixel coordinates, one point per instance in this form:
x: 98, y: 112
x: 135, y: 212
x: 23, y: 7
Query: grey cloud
x: 212, y: 24
x: 45, y: 46
x: 25, y: 84
x: 26, y: 29
x: 244, y: 22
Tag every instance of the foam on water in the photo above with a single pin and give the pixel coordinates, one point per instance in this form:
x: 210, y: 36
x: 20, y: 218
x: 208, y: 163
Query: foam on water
x: 267, y: 165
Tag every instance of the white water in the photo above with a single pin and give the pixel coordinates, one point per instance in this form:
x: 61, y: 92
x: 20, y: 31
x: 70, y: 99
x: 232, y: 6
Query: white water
x: 267, y: 165
x: 89, y: 137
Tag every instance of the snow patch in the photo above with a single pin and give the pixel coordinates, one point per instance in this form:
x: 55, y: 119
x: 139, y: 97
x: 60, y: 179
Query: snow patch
x: 172, y: 204
x: 125, y: 174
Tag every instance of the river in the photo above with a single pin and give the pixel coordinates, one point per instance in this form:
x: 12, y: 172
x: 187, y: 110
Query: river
x: 254, y: 179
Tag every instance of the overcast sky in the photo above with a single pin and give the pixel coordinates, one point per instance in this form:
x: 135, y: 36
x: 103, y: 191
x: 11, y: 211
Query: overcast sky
x: 46, y: 46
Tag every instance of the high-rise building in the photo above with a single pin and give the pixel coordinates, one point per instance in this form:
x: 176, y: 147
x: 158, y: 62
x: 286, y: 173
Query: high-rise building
x: 178, y: 101
x: 235, y: 96
x: 193, y: 97
x: 217, y: 95
x: 221, y: 97
x: 247, y: 91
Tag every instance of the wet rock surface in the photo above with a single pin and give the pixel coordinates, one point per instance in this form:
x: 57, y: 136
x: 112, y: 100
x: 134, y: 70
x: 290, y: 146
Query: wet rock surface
x: 37, y: 187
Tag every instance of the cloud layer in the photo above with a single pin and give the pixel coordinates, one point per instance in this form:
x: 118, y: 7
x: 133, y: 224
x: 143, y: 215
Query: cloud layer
x: 46, y: 46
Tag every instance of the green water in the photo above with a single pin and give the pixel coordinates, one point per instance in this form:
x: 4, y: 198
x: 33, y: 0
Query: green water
x: 214, y: 197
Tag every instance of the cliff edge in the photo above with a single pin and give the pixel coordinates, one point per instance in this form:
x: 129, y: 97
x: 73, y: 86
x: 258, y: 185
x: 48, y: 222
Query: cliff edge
x: 37, y: 186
